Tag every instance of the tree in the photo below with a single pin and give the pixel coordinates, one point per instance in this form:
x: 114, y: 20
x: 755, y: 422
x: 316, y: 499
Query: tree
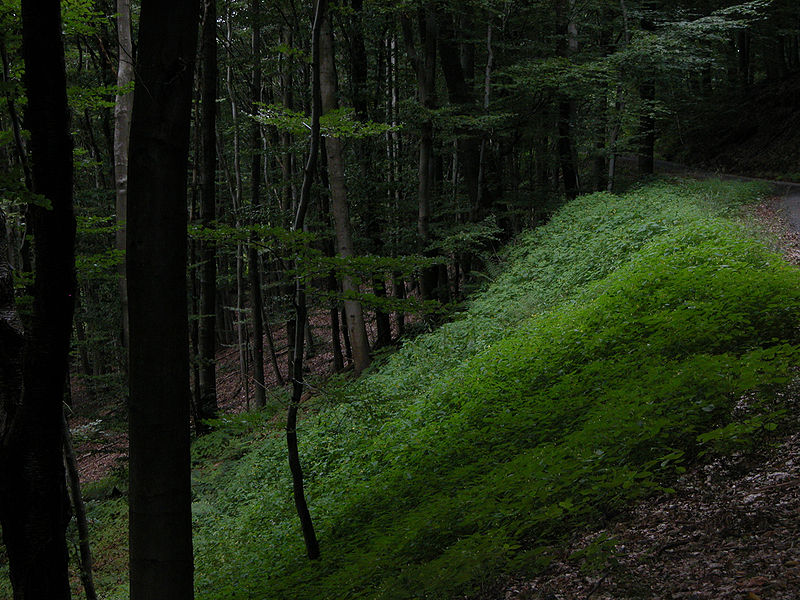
x: 122, y: 132
x: 341, y: 212
x: 298, y: 490
x: 207, y: 335
x: 34, y: 508
x: 424, y: 65
x: 256, y: 299
x: 160, y: 496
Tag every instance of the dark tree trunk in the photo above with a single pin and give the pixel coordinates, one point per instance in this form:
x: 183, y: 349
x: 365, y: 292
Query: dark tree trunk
x: 207, y: 323
x: 647, y: 131
x: 86, y: 559
x: 399, y: 285
x: 647, y: 123
x: 382, y: 322
x: 462, y: 97
x: 34, y: 508
x: 306, y: 524
x: 160, y: 496
x: 425, y: 68
x: 566, y: 106
x: 331, y: 282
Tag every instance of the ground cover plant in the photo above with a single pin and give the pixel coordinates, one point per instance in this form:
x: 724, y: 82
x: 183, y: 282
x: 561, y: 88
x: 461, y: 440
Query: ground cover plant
x: 608, y: 354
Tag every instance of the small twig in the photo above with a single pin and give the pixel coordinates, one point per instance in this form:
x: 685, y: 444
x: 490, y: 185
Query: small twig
x: 780, y: 485
x: 597, y: 584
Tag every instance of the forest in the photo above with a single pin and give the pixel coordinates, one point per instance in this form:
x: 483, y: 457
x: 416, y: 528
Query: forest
x: 490, y: 299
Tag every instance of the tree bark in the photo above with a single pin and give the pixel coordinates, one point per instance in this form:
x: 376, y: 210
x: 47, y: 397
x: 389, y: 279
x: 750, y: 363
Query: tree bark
x: 160, y: 497
x: 341, y: 215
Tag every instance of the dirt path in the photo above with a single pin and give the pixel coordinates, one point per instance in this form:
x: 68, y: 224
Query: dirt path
x: 790, y: 205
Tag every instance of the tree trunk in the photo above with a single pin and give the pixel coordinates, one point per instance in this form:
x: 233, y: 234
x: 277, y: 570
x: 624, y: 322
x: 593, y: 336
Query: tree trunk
x: 235, y: 185
x: 425, y: 68
x: 207, y: 323
x: 34, y: 509
x: 160, y: 496
x: 122, y: 130
x: 382, y: 322
x: 461, y: 96
x: 566, y: 45
x: 86, y: 560
x: 298, y: 490
x: 647, y: 123
x: 341, y: 215
x: 254, y: 266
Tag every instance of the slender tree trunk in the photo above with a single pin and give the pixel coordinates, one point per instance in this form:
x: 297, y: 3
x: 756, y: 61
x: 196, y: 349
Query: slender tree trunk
x: 307, y: 526
x: 122, y: 130
x: 647, y: 122
x: 86, y: 560
x: 341, y: 215
x: 161, y: 564
x: 331, y: 282
x: 273, y: 357
x: 16, y: 126
x: 382, y: 322
x: 566, y: 45
x: 338, y: 358
x: 425, y: 68
x: 207, y: 323
x: 487, y: 88
x: 620, y: 108
x: 364, y: 151
x: 254, y: 264
x: 235, y: 185
x: 34, y: 509
x: 399, y: 286
x: 647, y: 132
x: 462, y: 97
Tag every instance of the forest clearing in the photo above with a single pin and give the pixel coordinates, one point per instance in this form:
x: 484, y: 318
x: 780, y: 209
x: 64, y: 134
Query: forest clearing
x: 399, y: 300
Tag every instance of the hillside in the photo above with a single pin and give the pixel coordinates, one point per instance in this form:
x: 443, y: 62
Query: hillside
x: 610, y: 354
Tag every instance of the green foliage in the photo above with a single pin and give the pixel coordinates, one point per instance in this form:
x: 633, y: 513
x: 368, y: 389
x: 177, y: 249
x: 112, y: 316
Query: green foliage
x: 612, y: 350
x: 80, y: 17
x: 102, y: 96
x: 339, y: 123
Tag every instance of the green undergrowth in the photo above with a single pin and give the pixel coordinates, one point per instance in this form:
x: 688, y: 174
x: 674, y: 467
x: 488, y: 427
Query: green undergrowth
x: 605, y: 358
x: 608, y: 354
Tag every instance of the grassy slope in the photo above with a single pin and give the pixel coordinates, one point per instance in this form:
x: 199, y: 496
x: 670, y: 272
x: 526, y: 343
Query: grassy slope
x: 577, y: 382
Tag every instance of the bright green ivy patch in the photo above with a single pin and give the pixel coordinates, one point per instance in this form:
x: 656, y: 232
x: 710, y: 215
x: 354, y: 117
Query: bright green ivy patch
x: 609, y: 353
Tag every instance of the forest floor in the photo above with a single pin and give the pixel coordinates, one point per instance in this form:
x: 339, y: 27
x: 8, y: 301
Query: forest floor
x: 100, y: 432
x: 730, y: 531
